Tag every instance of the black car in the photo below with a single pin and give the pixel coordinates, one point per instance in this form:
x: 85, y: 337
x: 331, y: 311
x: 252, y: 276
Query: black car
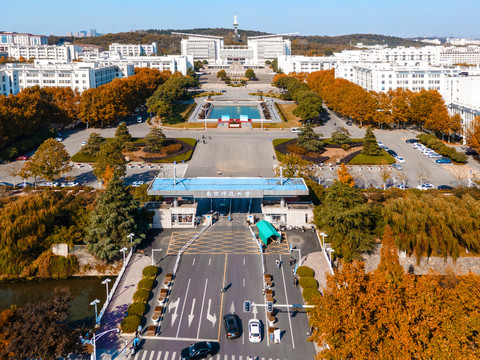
x: 198, y: 350
x: 232, y: 326
x: 411, y: 141
x: 471, y: 151
x: 393, y: 153
x: 444, y: 187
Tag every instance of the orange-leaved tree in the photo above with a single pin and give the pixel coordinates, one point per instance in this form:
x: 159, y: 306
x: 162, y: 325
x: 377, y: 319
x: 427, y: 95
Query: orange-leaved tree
x: 344, y: 176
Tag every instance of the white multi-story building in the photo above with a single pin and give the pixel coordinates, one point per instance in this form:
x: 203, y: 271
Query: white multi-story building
x: 463, y: 41
x: 461, y: 55
x: 22, y: 39
x: 297, y: 64
x: 8, y: 81
x: 65, y: 53
x: 201, y: 47
x: 79, y: 75
x: 269, y: 47
x: 134, y: 49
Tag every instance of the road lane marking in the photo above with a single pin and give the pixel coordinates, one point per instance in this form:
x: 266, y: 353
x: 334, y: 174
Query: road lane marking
x: 144, y: 355
x: 174, y: 355
x: 159, y: 355
x: 243, y: 261
x: 288, y: 309
x: 221, y: 300
x: 209, y: 261
x: 191, y: 316
x: 212, y: 318
x: 166, y: 355
x: 183, y: 307
x: 243, y: 282
x: 232, y: 308
x: 193, y: 263
x: 151, y: 355
x: 175, y: 306
x: 201, y: 310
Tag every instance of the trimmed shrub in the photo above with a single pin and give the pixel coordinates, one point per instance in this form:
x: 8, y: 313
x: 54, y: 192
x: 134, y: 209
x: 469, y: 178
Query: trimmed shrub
x: 308, y: 282
x: 145, y: 284
x: 172, y: 148
x: 295, y: 149
x: 137, y: 309
x: 130, y: 324
x: 309, y: 294
x: 305, y: 271
x: 141, y: 296
x: 150, y: 272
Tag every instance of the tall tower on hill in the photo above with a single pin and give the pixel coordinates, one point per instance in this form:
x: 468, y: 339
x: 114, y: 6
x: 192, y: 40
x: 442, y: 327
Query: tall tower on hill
x: 235, y: 26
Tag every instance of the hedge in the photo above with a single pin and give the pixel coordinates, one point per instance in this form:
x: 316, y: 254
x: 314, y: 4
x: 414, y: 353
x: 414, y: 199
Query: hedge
x: 137, y: 308
x: 305, y: 271
x: 150, y: 272
x: 308, y: 282
x: 130, y: 323
x: 141, y: 296
x: 145, y: 284
x: 433, y: 143
x: 308, y: 294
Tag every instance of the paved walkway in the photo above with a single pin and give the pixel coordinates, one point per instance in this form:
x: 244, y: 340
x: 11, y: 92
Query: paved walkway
x: 318, y: 263
x: 112, y: 345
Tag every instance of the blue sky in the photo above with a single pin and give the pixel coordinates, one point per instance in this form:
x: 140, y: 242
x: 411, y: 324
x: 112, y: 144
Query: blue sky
x: 407, y: 18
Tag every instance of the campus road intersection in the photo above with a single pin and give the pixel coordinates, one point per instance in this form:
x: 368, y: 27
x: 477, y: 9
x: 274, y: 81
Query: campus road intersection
x: 196, y: 305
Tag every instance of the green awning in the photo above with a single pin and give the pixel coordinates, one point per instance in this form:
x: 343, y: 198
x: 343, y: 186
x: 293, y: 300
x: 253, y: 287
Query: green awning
x: 266, y: 231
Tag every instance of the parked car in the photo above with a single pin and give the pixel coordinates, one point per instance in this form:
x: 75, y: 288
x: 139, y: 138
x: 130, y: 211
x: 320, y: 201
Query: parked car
x: 349, y: 124
x: 443, y: 161
x: 69, y: 184
x: 425, y: 186
x: 59, y: 139
x: 393, y: 153
x: 49, y: 184
x: 471, y: 151
x: 397, y: 166
x: 222, y: 209
x: 444, y: 187
x: 411, y: 141
x: 434, y: 155
x: 197, y: 351
x: 296, y: 130
x: 5, y: 184
x: 84, y: 143
x: 380, y: 143
x: 22, y: 158
x: 402, y: 187
x: 254, y: 331
x: 139, y: 119
x: 232, y: 326
x: 24, y: 184
x: 400, y: 159
x: 137, y: 183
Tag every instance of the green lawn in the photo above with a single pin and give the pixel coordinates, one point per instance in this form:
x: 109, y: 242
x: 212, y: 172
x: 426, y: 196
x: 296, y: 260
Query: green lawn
x: 276, y: 142
x: 362, y: 159
x: 184, y: 157
x: 330, y: 142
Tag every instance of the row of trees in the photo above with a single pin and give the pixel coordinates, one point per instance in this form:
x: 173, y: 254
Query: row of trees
x: 309, y: 102
x: 389, y: 314
x: 398, y: 107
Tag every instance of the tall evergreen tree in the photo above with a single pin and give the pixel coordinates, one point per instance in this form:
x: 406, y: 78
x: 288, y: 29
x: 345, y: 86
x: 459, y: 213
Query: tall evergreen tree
x: 109, y: 161
x: 115, y: 217
x: 121, y: 134
x: 92, y: 147
x: 370, y: 145
x: 309, y: 139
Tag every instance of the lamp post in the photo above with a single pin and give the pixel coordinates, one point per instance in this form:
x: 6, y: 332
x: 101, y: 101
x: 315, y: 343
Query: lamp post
x: 98, y: 336
x: 105, y: 282
x: 123, y: 251
x: 323, y: 235
x: 130, y: 236
x: 95, y: 302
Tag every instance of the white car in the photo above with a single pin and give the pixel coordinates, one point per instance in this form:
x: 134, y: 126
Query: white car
x: 296, y: 130
x: 434, y: 155
x: 84, y: 143
x: 380, y: 143
x: 400, y: 160
x: 59, y: 139
x: 426, y: 186
x: 402, y: 187
x: 137, y: 183
x: 139, y: 119
x: 254, y: 331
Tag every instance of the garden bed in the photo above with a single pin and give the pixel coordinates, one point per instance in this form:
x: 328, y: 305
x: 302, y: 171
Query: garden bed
x: 362, y: 159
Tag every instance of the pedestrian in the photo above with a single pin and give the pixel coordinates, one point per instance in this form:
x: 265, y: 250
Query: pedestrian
x: 290, y: 261
x: 277, y: 262
x: 296, y: 282
x: 293, y: 282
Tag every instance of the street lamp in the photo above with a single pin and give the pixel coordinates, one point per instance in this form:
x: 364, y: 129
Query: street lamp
x: 98, y: 336
x: 123, y: 251
x: 95, y: 302
x: 105, y: 282
x: 130, y: 236
x: 323, y: 235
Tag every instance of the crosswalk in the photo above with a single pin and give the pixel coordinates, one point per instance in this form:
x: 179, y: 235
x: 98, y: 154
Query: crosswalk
x: 169, y: 355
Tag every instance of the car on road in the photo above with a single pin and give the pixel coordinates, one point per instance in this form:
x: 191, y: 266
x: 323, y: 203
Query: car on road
x: 402, y: 186
x: 22, y: 158
x: 380, y: 143
x: 232, y: 326
x: 59, y: 139
x: 70, y: 184
x: 198, y: 350
x: 471, y: 151
x: 393, y: 153
x: 5, y: 184
x: 24, y: 184
x: 425, y: 186
x: 444, y: 187
x: 49, y: 183
x: 411, y: 141
x: 296, y: 130
x: 443, y: 160
x: 84, y: 143
x: 254, y: 331
x: 139, y: 119
x: 400, y: 159
x: 397, y: 166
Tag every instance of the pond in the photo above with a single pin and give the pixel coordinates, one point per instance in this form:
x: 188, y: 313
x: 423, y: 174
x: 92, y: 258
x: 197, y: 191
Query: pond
x: 84, y: 290
x: 235, y: 111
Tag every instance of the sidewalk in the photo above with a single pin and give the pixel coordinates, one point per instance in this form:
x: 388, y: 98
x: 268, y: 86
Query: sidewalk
x: 112, y: 345
x: 318, y: 263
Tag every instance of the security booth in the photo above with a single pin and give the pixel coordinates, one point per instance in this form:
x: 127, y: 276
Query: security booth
x: 267, y: 232
x: 185, y: 199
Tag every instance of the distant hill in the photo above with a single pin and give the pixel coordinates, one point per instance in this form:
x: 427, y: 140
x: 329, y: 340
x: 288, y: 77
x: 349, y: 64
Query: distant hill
x: 167, y: 43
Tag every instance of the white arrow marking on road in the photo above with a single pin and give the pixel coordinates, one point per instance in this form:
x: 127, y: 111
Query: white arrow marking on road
x: 232, y: 308
x: 191, y: 316
x: 254, y: 311
x: 174, y: 305
x: 212, y: 319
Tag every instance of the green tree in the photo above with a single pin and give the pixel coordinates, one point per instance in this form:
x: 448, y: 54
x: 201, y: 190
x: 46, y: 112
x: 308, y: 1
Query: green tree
x: 115, y: 217
x: 198, y: 65
x: 41, y: 331
x: 221, y: 74
x: 92, y: 147
x: 309, y: 108
x: 370, y: 145
x: 155, y: 140
x: 293, y: 166
x: 159, y: 108
x: 122, y: 135
x: 341, y: 137
x: 250, y: 74
x: 109, y: 161
x: 50, y: 161
x: 309, y: 139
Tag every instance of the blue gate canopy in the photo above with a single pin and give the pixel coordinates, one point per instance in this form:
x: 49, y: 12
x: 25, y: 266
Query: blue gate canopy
x: 266, y: 231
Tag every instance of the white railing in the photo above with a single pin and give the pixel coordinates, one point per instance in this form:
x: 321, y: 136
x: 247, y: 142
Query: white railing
x: 186, y: 246
x: 325, y: 254
x: 259, y: 244
x: 114, y: 287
